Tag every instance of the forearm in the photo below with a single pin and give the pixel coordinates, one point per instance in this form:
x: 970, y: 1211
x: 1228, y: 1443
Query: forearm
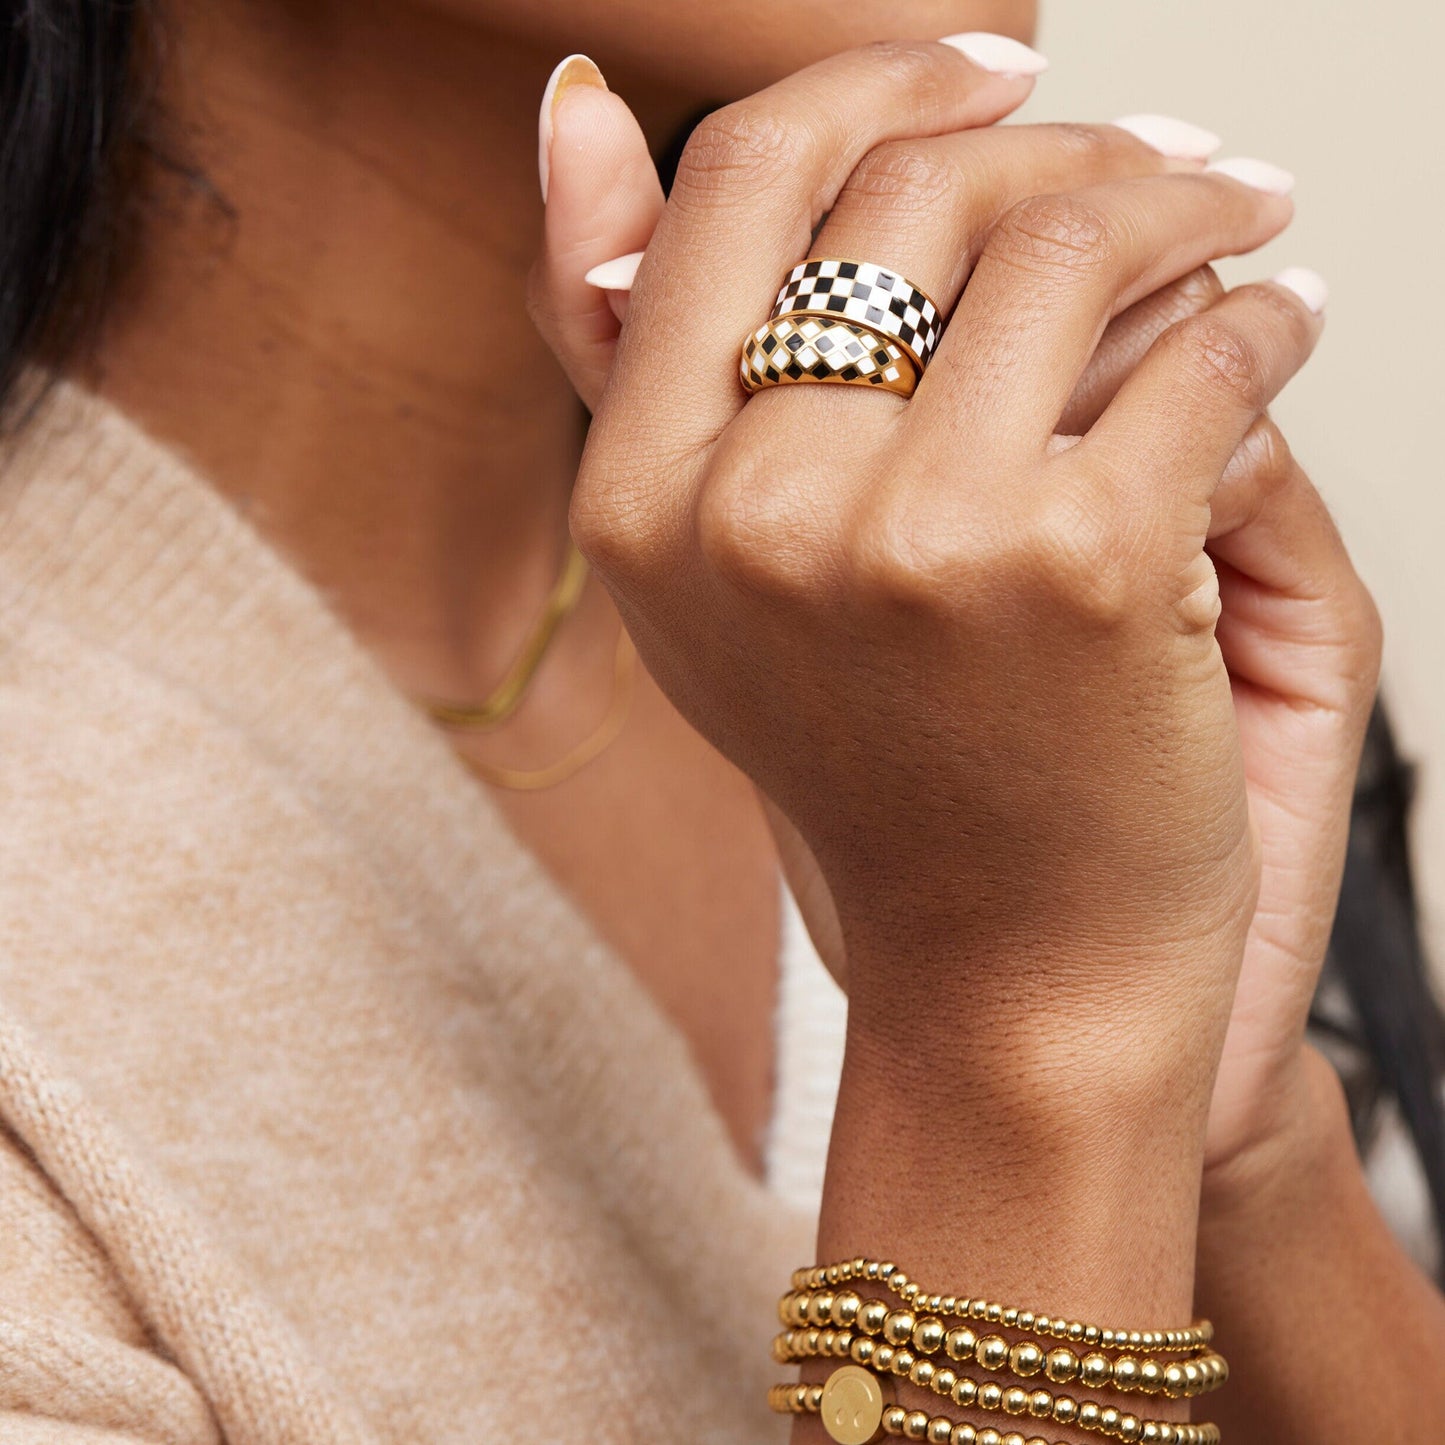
x: 1333, y: 1334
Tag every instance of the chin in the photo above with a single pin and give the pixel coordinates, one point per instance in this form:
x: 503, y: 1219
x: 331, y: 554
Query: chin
x: 726, y: 48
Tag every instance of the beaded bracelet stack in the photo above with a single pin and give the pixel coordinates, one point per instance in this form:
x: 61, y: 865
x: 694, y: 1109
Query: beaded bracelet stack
x: 931, y: 1339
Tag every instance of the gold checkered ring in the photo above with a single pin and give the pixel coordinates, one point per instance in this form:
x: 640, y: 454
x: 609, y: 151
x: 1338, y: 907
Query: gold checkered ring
x: 791, y: 349
x: 868, y: 295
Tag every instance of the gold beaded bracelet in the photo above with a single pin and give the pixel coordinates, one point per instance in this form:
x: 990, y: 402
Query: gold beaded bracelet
x: 854, y: 1412
x: 1040, y: 1404
x: 1030, y: 1321
x: 913, y: 1342
x: 901, y: 1329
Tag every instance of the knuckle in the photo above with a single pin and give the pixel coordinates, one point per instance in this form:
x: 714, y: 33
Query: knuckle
x: 1051, y: 233
x: 741, y: 142
x: 1087, y: 144
x: 911, y: 65
x: 752, y: 534
x: 1219, y: 354
x: 900, y: 176
x: 899, y: 556
x: 1196, y: 292
x: 1083, y: 557
x: 613, y: 527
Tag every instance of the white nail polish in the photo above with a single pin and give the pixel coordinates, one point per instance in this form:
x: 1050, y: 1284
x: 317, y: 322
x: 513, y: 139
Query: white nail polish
x: 1176, y: 139
x: 1000, y: 54
x: 1309, y: 286
x: 571, y: 70
x: 1261, y: 175
x: 616, y: 274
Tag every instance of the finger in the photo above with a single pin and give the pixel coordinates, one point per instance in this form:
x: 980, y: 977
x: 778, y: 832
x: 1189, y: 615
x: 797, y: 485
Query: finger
x: 1300, y: 637
x: 1185, y: 410
x: 603, y: 197
x: 925, y: 207
x: 1297, y: 621
x: 1056, y: 270
x: 1127, y: 341
x: 753, y: 182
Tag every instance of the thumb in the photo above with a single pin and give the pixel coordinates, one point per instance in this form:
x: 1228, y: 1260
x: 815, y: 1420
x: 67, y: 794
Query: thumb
x: 602, y: 199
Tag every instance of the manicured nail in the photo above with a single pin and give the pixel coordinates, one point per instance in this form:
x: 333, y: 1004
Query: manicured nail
x: 1176, y: 139
x: 616, y: 274
x: 1309, y: 286
x: 1001, y: 54
x: 1260, y: 174
x: 574, y: 70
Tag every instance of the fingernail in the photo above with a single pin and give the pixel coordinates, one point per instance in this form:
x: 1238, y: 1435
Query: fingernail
x: 1260, y: 174
x: 574, y: 70
x: 1309, y: 286
x: 616, y: 274
x: 1001, y: 54
x: 1176, y: 139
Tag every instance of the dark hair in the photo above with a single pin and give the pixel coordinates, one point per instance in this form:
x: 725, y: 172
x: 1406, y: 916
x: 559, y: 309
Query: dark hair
x: 72, y: 105
x: 68, y: 99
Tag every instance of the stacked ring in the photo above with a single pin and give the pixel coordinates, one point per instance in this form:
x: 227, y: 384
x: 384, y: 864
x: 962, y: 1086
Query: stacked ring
x: 869, y: 295
x: 804, y: 348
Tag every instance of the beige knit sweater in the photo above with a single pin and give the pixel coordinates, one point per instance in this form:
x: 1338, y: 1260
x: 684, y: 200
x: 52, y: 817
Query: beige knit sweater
x: 323, y: 1115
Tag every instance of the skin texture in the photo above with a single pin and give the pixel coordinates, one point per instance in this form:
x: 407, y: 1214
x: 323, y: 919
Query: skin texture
x: 317, y: 323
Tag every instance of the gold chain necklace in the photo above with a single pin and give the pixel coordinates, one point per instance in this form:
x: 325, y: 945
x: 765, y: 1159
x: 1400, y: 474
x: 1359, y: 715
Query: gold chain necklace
x: 506, y: 697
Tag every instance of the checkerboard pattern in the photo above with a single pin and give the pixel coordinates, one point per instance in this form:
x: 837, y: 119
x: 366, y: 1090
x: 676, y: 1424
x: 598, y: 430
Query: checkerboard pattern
x: 860, y: 291
x: 813, y: 349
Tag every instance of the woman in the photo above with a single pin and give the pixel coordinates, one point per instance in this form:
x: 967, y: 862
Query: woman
x: 347, y: 1099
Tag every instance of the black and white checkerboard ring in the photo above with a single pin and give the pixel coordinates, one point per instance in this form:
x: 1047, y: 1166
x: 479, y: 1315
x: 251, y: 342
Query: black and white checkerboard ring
x: 869, y: 295
x: 788, y: 349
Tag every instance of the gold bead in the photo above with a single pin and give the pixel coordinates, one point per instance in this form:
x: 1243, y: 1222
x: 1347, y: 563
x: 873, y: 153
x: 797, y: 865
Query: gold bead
x: 1151, y: 1376
x: 989, y: 1436
x: 784, y: 1305
x: 1091, y: 1334
x: 1015, y: 1401
x: 940, y: 1430
x: 995, y: 1314
x: 1108, y: 1419
x: 1094, y: 1370
x: 815, y: 1397
x: 990, y: 1396
x: 1066, y: 1409
x: 1041, y: 1404
x: 893, y: 1418
x: 978, y: 1309
x: 992, y: 1352
x: 861, y: 1350
x: 1126, y: 1373
x: 1149, y: 1433
x: 948, y: 1304
x: 870, y: 1270
x: 1174, y: 1380
x: 1076, y: 1331
x: 1026, y: 1359
x: 1036, y: 1440
x: 963, y: 1434
x: 846, y: 1305
x: 825, y: 1342
x: 1012, y: 1438
x: 1129, y: 1428
x: 928, y: 1336
x: 820, y: 1308
x: 882, y: 1359
x: 915, y: 1425
x: 1088, y: 1416
x: 902, y: 1361
x: 1135, y: 1338
x: 944, y: 1380
x: 960, y: 1343
x: 798, y: 1309
x: 1061, y: 1365
x: 898, y: 1327
x: 1192, y: 1378
x: 871, y: 1317
x: 1026, y: 1319
x: 1011, y: 1317
x: 922, y: 1373
x: 965, y: 1391
x: 810, y: 1342
x: 830, y: 1274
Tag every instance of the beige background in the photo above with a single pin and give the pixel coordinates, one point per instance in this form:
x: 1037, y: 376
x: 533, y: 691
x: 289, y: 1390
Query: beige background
x: 1349, y: 98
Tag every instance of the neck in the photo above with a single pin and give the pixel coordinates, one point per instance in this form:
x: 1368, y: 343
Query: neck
x: 328, y: 316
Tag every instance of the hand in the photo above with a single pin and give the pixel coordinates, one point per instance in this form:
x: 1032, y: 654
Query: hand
x: 604, y: 200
